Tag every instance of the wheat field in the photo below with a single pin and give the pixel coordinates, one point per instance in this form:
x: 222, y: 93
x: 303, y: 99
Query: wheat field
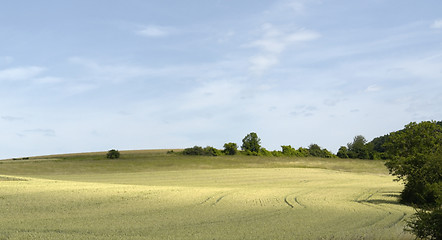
x: 234, y: 203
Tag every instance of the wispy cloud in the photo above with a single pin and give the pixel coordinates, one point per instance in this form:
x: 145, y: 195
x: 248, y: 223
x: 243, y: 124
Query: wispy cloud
x: 154, y: 31
x: 40, y: 131
x: 273, y: 42
x: 437, y: 24
x: 373, y: 88
x: 20, y: 73
x: 11, y: 118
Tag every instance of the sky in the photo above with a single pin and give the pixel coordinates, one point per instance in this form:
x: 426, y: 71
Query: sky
x: 94, y: 75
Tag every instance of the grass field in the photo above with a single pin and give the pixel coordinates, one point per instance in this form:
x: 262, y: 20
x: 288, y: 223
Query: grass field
x: 154, y: 195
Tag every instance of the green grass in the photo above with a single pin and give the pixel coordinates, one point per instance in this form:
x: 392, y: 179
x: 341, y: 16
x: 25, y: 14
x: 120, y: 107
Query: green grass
x: 154, y: 195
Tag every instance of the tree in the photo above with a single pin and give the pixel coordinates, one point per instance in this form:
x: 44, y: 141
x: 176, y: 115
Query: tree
x: 357, y: 148
x: 113, y: 154
x: 251, y: 143
x: 416, y: 159
x: 315, y: 150
x: 287, y: 150
x: 196, y: 150
x: 211, y: 151
x: 230, y: 148
x: 342, y: 152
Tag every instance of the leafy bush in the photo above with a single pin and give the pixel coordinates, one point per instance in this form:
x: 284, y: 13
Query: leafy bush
x: 211, y: 151
x: 265, y: 152
x: 199, y: 151
x: 113, y: 154
x: 427, y: 224
x: 230, y: 148
x: 287, y: 150
x: 196, y: 150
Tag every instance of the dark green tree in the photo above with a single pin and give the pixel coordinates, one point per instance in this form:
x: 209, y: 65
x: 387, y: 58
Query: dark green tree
x: 342, y: 152
x: 416, y: 159
x: 230, y: 148
x: 251, y: 143
x: 315, y: 150
x: 211, y: 151
x: 357, y: 148
x: 196, y: 150
x: 426, y: 224
x: 113, y: 154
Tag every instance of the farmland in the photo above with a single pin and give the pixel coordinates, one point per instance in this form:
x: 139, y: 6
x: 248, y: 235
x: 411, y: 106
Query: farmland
x: 154, y: 195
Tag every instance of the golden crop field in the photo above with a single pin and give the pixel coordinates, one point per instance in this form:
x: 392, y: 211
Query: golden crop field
x: 217, y: 203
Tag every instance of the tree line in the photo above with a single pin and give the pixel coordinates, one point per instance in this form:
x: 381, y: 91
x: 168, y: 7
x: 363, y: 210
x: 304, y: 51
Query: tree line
x: 251, y: 145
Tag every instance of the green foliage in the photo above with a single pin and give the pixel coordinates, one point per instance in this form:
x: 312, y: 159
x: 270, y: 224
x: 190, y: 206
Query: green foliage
x: 265, y: 152
x: 113, y: 154
x: 211, y: 151
x: 196, y: 150
x: 199, y: 151
x: 287, y: 150
x: 316, y: 151
x: 416, y: 158
x: 251, y: 143
x: 427, y: 224
x: 357, y: 148
x: 230, y: 148
x: 410, y: 148
x: 342, y: 152
x: 303, y: 152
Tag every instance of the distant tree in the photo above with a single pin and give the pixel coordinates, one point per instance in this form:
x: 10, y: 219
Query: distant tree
x: 230, y: 148
x: 287, y: 150
x: 211, y: 151
x: 315, y: 150
x: 357, y: 148
x: 113, y: 154
x: 251, y: 143
x: 342, y: 152
x: 303, y: 152
x: 265, y: 152
x: 196, y: 150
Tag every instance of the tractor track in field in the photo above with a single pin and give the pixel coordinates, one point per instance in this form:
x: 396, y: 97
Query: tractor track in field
x: 288, y: 202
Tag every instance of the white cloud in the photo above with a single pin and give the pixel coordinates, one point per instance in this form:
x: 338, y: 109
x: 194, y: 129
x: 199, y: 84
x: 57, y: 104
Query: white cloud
x: 20, y: 73
x: 373, y: 88
x: 437, y: 24
x: 260, y: 64
x: 273, y: 42
x: 154, y: 31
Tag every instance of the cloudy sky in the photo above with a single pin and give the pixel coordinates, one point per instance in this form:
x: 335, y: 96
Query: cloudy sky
x: 91, y: 75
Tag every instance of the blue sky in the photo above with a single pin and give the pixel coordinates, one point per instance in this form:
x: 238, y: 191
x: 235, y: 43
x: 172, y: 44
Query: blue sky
x: 79, y: 76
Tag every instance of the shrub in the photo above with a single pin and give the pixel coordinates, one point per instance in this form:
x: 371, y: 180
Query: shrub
x: 199, y: 151
x: 113, y: 154
x: 230, y: 148
x: 427, y: 224
x: 211, y: 151
x: 287, y: 150
x: 265, y: 152
x: 196, y: 150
